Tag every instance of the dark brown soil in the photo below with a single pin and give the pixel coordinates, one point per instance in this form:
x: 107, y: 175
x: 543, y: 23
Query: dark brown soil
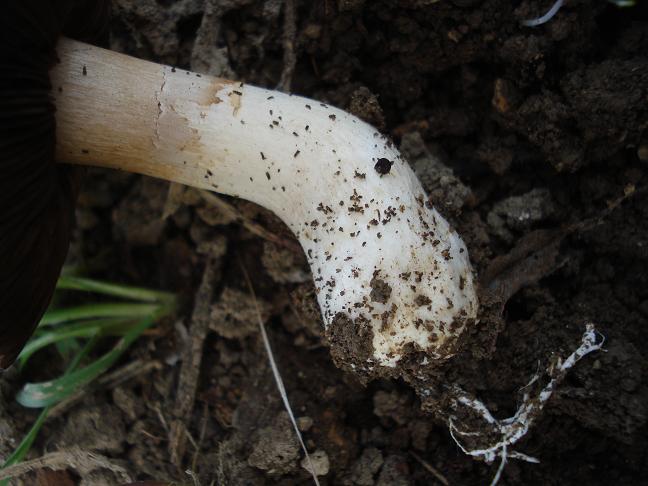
x: 543, y: 129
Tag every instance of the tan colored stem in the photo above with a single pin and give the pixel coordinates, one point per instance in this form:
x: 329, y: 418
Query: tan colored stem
x: 112, y: 111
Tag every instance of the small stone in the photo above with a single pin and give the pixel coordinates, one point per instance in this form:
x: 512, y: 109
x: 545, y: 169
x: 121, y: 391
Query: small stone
x: 304, y: 423
x: 320, y: 461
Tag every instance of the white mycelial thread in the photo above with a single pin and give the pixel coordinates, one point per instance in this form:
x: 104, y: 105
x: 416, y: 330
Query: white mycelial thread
x: 500, y: 435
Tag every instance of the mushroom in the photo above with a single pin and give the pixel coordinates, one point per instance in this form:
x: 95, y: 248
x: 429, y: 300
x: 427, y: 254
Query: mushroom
x: 393, y: 279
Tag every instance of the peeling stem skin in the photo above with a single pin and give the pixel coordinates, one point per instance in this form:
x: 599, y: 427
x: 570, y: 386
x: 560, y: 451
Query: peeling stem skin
x: 382, y: 261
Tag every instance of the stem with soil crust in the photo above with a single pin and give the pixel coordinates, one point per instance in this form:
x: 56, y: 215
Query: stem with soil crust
x: 392, y: 278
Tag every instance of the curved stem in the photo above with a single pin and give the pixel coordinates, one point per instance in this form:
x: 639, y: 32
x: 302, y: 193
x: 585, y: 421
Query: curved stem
x: 392, y: 277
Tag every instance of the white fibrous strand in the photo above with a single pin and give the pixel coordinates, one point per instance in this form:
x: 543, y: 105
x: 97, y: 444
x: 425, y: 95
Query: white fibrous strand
x: 544, y: 18
x: 510, y: 430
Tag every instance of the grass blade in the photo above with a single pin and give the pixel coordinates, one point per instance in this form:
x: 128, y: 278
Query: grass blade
x: 95, y: 311
x: 25, y: 444
x: 81, y: 329
x: 68, y: 328
x: 36, y: 395
x: 114, y: 290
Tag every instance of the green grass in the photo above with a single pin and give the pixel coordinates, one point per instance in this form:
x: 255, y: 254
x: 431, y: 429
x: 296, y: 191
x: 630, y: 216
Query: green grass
x: 75, y: 332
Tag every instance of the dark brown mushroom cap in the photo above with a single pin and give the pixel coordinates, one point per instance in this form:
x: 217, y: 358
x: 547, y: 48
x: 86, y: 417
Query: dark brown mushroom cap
x: 36, y: 195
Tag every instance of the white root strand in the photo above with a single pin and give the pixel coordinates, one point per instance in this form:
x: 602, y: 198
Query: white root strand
x: 512, y: 429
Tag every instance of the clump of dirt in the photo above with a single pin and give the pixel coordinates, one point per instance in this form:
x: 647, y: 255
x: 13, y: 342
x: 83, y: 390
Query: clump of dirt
x: 532, y: 141
x: 380, y: 290
x: 276, y: 449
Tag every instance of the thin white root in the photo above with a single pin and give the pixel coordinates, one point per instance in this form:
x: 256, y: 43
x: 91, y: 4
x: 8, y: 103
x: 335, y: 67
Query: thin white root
x: 512, y: 429
x: 543, y: 19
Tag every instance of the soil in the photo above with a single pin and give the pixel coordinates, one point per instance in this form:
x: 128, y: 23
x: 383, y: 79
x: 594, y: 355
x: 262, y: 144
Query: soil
x: 532, y: 141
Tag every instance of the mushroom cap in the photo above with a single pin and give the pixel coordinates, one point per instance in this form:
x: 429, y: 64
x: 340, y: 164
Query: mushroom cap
x: 37, y: 195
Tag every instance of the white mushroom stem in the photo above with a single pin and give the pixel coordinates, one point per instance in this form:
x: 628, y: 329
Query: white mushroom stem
x: 392, y: 277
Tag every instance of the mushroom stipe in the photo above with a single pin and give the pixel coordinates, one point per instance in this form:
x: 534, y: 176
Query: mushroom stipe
x: 393, y: 280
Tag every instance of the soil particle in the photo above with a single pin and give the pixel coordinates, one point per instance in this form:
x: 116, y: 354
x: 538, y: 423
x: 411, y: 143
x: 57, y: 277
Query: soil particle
x: 304, y: 423
x: 419, y: 432
x: 380, y: 290
x: 611, y: 99
x: 519, y: 213
x: 366, y: 467
x: 364, y: 104
x: 546, y: 121
x: 601, y: 96
x: 393, y: 405
x: 383, y: 166
x: 283, y: 265
x: 506, y: 96
x: 497, y: 153
x: 422, y: 300
x: 320, y: 461
x: 616, y: 415
x: 350, y: 341
x: 395, y: 472
x: 234, y: 314
x: 98, y: 428
x: 8, y: 432
x: 276, y: 448
x: 307, y: 314
x: 227, y: 466
x: 215, y: 247
x: 451, y: 122
x: 445, y: 190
